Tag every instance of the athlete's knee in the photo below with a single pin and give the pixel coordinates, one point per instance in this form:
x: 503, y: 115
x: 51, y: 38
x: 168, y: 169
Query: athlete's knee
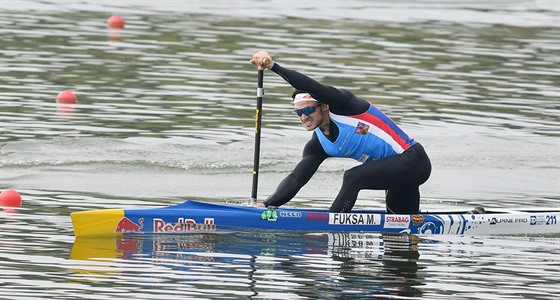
x: 350, y: 176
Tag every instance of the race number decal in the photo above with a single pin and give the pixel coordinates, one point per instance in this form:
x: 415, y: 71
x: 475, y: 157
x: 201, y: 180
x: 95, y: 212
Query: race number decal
x: 543, y: 220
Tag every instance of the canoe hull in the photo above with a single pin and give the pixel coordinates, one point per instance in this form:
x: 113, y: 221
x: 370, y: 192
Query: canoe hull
x: 199, y: 217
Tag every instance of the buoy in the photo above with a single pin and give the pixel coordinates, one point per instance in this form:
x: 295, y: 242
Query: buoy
x: 67, y: 97
x: 10, y: 198
x: 115, y: 22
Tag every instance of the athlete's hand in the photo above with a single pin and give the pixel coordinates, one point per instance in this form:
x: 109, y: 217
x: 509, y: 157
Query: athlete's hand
x: 259, y: 204
x: 262, y: 60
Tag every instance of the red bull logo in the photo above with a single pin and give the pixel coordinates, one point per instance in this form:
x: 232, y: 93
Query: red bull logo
x: 183, y: 225
x: 126, y: 225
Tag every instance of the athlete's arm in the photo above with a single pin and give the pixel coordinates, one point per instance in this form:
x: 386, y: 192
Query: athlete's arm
x: 313, y: 156
x: 340, y: 101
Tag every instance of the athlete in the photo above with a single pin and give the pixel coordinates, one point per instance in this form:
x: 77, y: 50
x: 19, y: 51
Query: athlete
x: 344, y: 125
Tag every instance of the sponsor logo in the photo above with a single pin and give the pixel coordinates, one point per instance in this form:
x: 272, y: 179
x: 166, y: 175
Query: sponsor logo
x: 183, y: 225
x: 494, y: 220
x: 417, y: 220
x: 396, y: 221
x: 317, y: 216
x: 290, y: 214
x: 431, y: 228
x: 126, y: 225
x: 269, y: 215
x: 543, y: 220
x: 354, y: 219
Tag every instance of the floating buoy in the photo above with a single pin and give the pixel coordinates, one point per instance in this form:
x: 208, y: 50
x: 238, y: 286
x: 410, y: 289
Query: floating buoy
x: 67, y: 97
x: 115, y: 22
x: 10, y: 198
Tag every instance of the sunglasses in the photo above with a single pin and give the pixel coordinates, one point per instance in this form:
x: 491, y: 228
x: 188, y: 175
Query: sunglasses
x: 306, y: 110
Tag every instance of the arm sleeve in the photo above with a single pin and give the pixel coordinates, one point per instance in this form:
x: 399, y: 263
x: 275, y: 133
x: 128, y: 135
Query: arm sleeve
x: 313, y: 156
x: 340, y: 101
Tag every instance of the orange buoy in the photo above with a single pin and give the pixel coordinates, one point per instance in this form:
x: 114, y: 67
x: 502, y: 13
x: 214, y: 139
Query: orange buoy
x: 115, y: 22
x: 10, y: 198
x: 67, y: 97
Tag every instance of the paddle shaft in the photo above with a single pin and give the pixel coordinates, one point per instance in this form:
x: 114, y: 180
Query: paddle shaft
x: 258, y: 117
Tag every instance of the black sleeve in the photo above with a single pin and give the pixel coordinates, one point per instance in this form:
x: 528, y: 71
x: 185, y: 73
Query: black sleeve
x: 313, y: 156
x: 340, y: 101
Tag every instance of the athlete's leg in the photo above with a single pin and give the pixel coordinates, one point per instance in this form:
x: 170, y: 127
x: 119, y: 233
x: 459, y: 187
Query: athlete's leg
x: 374, y: 175
x: 405, y: 171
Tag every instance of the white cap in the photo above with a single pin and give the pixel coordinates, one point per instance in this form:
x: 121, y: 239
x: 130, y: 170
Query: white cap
x: 301, y: 97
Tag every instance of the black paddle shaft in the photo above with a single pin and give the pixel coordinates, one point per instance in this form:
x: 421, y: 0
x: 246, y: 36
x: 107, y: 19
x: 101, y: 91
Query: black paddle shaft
x: 258, y: 117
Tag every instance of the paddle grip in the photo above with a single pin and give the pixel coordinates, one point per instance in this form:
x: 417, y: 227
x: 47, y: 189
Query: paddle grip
x: 266, y: 61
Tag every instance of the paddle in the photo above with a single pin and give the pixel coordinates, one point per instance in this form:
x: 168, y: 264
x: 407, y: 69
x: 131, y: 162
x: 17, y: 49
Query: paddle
x: 258, y: 117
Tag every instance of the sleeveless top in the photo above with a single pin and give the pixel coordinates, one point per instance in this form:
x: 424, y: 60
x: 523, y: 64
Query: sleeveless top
x: 368, y: 136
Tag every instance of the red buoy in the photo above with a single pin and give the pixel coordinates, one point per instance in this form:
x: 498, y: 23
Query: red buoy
x: 67, y: 97
x: 115, y: 22
x: 10, y: 198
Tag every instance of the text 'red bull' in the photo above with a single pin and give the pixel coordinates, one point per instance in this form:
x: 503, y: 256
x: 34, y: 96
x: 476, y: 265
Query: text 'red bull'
x: 183, y: 225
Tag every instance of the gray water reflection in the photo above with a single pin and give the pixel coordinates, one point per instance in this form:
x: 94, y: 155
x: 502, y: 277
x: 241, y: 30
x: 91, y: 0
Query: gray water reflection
x: 317, y: 266
x: 309, y: 266
x: 178, y: 75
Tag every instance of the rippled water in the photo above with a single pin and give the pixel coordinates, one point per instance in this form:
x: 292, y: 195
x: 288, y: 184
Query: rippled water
x: 165, y: 113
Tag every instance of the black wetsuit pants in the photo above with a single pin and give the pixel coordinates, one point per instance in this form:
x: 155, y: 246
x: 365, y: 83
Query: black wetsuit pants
x: 400, y: 175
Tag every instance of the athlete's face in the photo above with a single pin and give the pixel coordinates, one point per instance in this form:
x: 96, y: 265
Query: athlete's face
x: 312, y: 120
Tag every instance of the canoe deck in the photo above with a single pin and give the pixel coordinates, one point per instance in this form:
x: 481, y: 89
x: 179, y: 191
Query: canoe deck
x: 198, y: 217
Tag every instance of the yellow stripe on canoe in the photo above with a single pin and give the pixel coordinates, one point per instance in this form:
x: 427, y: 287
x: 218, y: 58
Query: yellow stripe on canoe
x: 96, y: 222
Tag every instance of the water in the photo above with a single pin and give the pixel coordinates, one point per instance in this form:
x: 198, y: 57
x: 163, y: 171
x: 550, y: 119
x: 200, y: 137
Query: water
x: 165, y: 113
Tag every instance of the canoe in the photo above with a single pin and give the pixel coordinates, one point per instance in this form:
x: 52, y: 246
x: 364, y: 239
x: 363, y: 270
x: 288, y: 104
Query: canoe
x: 201, y: 217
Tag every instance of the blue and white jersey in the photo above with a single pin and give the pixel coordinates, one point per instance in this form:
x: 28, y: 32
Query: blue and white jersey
x: 367, y: 136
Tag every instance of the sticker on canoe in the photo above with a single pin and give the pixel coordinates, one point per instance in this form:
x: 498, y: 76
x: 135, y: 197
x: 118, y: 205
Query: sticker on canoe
x: 126, y: 225
x: 354, y: 219
x: 317, y: 216
x: 269, y: 215
x: 506, y: 220
x: 183, y: 225
x: 396, y: 221
x: 290, y: 214
x: 543, y: 220
x: 417, y: 220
